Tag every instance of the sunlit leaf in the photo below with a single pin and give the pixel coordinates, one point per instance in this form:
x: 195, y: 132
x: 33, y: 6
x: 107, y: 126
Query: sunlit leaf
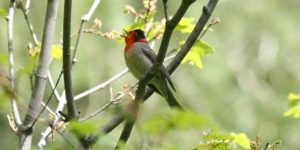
x: 56, y: 51
x: 186, y: 25
x: 33, y: 50
x: 83, y: 128
x: 293, y: 96
x: 294, y: 111
x: 294, y: 103
x: 241, y: 139
x: 138, y: 24
x: 216, y: 141
x: 2, y: 12
x: 199, y: 50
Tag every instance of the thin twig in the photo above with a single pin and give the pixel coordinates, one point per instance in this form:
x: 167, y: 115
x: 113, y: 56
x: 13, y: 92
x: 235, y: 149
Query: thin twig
x: 74, y: 60
x: 101, y: 86
x: 54, y: 86
x: 115, y: 100
x: 72, y: 112
x: 45, y: 106
x: 213, y: 22
x: 48, y: 109
x: 60, y: 106
x: 33, y: 35
x: 84, y: 19
x: 87, y: 16
x: 10, y: 19
x: 165, y: 2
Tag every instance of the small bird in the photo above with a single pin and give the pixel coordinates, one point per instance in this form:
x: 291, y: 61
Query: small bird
x: 139, y: 58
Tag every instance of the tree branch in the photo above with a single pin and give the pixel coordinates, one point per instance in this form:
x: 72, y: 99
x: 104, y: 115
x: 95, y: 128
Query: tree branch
x: 207, y: 10
x: 25, y: 12
x: 41, y: 75
x: 10, y: 19
x: 170, y: 25
x: 84, y: 19
x: 101, y: 86
x: 72, y: 112
x: 165, y: 2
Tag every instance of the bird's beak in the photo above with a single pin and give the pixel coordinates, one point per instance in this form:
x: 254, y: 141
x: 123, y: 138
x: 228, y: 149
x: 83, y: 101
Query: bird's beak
x: 125, y: 33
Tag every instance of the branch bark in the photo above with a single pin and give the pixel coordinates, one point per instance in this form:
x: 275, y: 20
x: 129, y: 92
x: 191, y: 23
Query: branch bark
x: 41, y: 74
x: 10, y: 19
x: 72, y: 112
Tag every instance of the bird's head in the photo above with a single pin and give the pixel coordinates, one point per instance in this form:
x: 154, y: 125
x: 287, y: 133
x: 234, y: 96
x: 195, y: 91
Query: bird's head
x: 134, y: 36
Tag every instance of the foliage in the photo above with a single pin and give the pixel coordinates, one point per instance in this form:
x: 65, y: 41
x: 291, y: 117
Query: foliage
x: 216, y: 141
x: 186, y: 25
x: 2, y: 12
x: 241, y: 139
x: 83, y: 128
x: 294, y: 103
x: 197, y: 52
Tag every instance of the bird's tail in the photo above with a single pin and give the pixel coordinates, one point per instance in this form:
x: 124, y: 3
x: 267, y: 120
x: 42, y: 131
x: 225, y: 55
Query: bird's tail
x: 172, y: 100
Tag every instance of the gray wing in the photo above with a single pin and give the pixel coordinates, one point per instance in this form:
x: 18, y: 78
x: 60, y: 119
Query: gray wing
x: 152, y: 56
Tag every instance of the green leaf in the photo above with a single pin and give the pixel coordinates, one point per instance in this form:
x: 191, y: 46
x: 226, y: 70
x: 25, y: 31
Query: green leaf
x: 293, y: 96
x: 294, y: 111
x: 216, y: 141
x: 294, y: 103
x: 241, y: 139
x: 56, y: 51
x: 199, y: 50
x: 186, y: 25
x: 83, y: 128
x: 32, y: 50
x: 138, y: 24
x: 2, y: 12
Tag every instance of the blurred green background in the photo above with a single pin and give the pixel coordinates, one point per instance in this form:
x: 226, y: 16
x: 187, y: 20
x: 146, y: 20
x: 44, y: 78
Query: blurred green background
x: 242, y: 88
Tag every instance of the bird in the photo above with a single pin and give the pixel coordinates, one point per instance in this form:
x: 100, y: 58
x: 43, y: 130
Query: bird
x: 139, y: 58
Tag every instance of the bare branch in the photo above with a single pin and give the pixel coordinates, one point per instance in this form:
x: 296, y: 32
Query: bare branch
x: 101, y: 86
x: 25, y: 12
x: 84, y: 19
x: 27, y: 6
x: 53, y: 86
x: 165, y: 2
x: 72, y: 112
x: 115, y: 100
x: 41, y: 75
x: 87, y: 16
x: 10, y: 19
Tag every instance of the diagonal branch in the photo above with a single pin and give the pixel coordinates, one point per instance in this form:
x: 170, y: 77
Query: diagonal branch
x: 207, y: 11
x: 84, y: 19
x: 72, y: 112
x: 170, y: 26
x: 25, y: 12
x: 165, y: 2
x: 101, y: 86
